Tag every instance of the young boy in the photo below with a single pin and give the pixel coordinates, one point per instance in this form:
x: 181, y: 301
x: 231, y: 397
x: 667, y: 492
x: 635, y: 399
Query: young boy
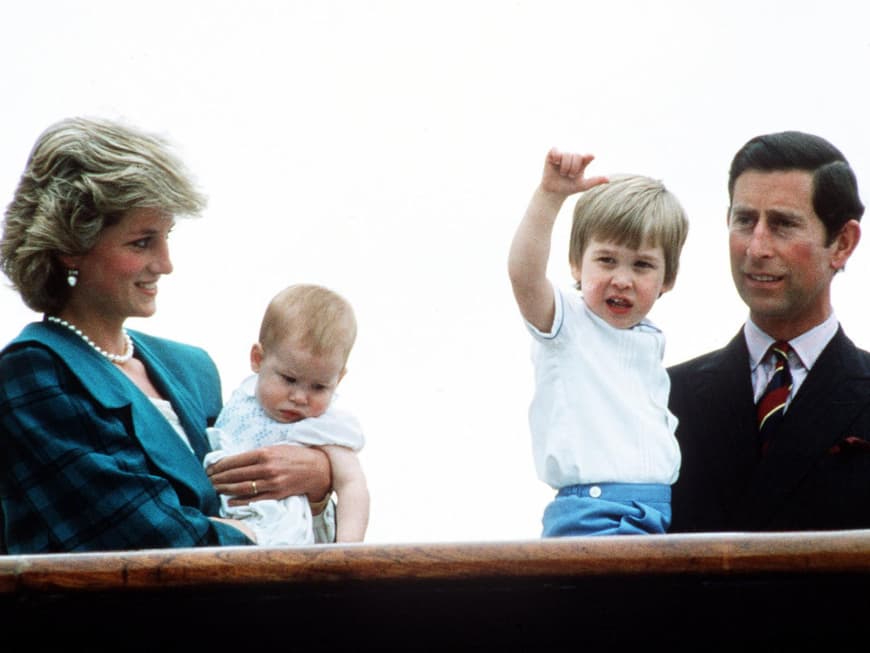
x: 602, y: 434
x: 306, y: 337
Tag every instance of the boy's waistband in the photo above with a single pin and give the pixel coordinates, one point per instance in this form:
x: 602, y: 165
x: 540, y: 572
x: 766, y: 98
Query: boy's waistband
x: 646, y: 492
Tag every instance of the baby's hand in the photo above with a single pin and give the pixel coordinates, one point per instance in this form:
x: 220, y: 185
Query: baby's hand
x: 563, y: 173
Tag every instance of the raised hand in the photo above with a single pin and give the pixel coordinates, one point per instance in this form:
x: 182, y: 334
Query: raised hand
x: 564, y: 173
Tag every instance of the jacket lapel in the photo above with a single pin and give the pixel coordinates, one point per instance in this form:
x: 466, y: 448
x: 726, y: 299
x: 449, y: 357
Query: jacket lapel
x: 111, y: 388
x: 189, y: 411
x: 724, y: 394
x: 837, y: 388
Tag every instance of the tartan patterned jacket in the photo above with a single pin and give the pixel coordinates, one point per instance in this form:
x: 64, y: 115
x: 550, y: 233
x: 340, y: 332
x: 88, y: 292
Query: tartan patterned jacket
x: 87, y: 463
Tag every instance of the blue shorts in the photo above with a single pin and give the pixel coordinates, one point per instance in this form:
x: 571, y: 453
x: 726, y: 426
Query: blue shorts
x: 609, y: 509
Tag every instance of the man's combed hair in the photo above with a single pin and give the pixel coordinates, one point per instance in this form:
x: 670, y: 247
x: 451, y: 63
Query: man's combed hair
x: 835, y: 186
x: 314, y: 316
x: 82, y: 176
x: 634, y: 211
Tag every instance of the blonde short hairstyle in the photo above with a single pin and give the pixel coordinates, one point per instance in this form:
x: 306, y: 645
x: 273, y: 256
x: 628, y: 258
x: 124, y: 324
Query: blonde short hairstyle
x: 314, y: 316
x: 82, y: 176
x: 630, y: 210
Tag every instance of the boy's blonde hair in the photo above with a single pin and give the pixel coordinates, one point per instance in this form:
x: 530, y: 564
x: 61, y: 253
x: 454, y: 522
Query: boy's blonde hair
x: 630, y: 210
x: 316, y: 317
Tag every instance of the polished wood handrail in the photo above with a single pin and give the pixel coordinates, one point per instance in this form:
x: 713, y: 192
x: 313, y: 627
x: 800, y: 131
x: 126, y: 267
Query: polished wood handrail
x: 833, y: 552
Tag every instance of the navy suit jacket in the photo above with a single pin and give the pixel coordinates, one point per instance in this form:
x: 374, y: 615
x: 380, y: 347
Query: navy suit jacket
x: 86, y: 460
x: 816, y: 474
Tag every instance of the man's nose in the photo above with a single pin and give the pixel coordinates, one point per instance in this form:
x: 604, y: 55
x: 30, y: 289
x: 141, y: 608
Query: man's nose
x: 759, y: 241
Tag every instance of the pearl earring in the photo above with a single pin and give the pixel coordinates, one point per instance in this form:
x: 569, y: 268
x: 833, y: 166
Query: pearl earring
x: 72, y: 277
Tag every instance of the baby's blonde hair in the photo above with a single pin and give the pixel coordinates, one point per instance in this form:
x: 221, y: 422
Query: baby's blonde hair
x: 316, y: 317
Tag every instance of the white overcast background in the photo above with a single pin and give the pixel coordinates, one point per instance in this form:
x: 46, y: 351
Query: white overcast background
x: 388, y: 150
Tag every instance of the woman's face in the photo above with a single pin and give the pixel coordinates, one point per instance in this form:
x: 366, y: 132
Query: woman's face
x: 118, y: 276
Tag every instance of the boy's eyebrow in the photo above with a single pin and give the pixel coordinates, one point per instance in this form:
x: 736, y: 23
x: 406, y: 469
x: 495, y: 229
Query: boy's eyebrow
x: 648, y: 253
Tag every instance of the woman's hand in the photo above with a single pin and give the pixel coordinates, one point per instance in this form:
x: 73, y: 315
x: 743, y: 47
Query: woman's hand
x: 274, y: 472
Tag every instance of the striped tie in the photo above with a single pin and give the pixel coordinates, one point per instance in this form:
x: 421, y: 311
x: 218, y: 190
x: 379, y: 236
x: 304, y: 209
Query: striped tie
x: 771, y: 406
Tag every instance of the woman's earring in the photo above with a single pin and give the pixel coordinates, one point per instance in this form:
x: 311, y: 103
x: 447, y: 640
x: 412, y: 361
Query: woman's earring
x: 72, y: 277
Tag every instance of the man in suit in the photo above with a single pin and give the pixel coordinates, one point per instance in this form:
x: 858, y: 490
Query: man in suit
x: 793, y: 223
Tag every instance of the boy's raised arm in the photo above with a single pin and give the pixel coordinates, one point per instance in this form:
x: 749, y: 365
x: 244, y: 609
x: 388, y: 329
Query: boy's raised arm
x: 530, y: 249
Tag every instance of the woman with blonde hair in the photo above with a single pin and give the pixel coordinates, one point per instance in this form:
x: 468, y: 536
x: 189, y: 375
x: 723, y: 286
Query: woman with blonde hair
x: 103, y: 429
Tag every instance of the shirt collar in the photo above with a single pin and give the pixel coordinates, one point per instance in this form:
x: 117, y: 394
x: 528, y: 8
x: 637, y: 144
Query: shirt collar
x: 249, y: 385
x: 807, y: 347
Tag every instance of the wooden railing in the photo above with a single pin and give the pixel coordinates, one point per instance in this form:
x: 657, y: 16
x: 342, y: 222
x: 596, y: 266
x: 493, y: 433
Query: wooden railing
x: 708, y: 591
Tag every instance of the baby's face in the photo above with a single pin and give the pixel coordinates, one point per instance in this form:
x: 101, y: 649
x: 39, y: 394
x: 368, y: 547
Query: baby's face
x: 292, y: 383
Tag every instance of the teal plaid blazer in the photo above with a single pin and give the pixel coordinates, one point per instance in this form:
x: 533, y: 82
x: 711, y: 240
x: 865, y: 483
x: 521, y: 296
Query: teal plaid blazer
x: 87, y: 463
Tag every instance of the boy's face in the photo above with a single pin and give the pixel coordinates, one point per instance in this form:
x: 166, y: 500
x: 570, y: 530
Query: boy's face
x: 621, y: 284
x: 292, y: 383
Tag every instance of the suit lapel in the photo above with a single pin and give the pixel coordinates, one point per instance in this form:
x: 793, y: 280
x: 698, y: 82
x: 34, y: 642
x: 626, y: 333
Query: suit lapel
x: 836, y: 389
x: 724, y: 395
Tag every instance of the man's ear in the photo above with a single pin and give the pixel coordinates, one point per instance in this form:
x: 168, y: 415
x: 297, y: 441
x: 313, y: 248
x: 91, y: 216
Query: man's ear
x: 256, y: 356
x: 844, y: 244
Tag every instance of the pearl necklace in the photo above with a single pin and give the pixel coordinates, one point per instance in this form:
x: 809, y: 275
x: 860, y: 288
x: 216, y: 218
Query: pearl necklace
x: 118, y: 359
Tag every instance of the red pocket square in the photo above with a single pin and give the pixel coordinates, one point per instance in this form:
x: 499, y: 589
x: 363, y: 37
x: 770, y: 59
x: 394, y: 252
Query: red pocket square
x: 851, y: 442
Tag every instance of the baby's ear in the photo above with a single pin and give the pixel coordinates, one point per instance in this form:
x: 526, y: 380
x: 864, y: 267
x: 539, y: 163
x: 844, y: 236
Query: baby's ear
x: 256, y: 356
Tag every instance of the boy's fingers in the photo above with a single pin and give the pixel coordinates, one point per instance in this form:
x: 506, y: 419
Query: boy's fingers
x: 591, y: 182
x: 554, y: 156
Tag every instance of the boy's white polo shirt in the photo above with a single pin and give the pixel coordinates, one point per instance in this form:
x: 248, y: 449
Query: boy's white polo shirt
x: 600, y: 410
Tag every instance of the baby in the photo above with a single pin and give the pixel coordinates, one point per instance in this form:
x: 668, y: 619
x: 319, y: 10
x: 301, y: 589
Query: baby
x: 306, y: 337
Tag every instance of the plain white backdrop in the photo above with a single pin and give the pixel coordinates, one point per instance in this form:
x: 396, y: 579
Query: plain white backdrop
x: 388, y: 150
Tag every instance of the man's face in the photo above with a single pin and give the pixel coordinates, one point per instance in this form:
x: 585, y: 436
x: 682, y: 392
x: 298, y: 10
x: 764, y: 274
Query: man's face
x: 781, y: 266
